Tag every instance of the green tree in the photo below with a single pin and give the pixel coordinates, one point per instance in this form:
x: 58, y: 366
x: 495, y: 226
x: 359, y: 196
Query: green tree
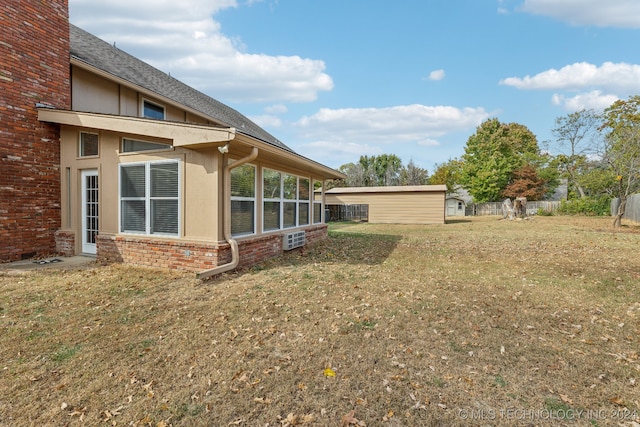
x: 413, y: 175
x: 621, y: 127
x: 447, y: 174
x: 368, y: 171
x: 354, y: 173
x: 574, y: 139
x: 387, y: 169
x: 491, y: 156
x: 383, y: 170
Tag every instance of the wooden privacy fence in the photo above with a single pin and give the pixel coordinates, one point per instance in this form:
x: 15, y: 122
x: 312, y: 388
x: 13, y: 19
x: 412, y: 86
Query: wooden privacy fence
x: 631, y: 211
x: 347, y: 212
x: 495, y: 208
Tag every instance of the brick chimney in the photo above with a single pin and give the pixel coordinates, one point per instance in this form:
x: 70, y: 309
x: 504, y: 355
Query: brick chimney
x: 34, y: 69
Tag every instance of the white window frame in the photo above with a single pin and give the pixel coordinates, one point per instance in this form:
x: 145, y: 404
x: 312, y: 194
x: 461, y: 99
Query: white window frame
x: 265, y: 200
x: 282, y: 200
x: 253, y: 199
x: 148, y: 199
x: 81, y: 144
x: 316, y: 202
x: 155, y: 104
x: 308, y: 201
x: 153, y: 146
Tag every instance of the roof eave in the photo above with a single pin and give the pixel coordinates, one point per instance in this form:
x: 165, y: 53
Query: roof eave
x: 181, y: 134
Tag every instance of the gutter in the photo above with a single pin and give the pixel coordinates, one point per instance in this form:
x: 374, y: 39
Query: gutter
x: 235, y: 256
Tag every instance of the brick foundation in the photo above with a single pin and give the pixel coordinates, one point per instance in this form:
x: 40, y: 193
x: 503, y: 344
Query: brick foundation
x: 193, y: 256
x: 34, y: 47
x: 65, y: 243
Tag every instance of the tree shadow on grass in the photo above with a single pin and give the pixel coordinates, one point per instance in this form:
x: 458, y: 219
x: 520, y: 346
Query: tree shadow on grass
x: 338, y: 247
x: 457, y: 221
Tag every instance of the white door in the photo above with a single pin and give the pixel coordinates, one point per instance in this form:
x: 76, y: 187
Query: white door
x: 89, y: 211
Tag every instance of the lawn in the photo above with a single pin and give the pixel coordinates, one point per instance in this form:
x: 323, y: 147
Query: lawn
x: 477, y: 322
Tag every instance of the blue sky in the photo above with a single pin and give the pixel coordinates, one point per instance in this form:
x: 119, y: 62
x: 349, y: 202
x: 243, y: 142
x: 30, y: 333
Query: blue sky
x: 337, y: 79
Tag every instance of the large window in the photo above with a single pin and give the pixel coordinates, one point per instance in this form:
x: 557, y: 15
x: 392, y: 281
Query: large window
x: 272, y: 199
x: 243, y: 200
x: 150, y: 198
x: 286, y: 200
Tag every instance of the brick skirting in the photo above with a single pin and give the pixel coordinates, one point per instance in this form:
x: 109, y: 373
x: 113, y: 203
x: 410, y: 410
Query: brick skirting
x: 194, y: 256
x: 65, y: 242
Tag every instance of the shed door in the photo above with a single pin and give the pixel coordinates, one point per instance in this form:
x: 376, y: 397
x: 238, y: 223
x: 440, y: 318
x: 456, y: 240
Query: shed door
x: 451, y: 208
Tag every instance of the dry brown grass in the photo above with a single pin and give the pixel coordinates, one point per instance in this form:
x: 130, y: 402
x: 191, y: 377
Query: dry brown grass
x: 478, y: 322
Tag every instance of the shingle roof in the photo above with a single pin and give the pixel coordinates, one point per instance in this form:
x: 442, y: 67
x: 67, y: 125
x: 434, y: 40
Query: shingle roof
x: 96, y: 52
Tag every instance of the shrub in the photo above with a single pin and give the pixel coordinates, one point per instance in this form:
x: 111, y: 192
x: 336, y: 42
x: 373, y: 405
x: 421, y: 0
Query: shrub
x: 544, y: 212
x: 591, y: 206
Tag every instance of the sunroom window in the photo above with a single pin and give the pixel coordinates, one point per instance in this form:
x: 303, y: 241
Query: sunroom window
x: 317, y: 202
x: 286, y: 200
x: 243, y: 200
x: 150, y: 198
x: 272, y: 199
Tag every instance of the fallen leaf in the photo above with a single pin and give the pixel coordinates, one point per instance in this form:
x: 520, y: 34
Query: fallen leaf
x: 263, y: 400
x: 566, y: 399
x: 617, y: 401
x: 350, y: 419
x: 329, y: 372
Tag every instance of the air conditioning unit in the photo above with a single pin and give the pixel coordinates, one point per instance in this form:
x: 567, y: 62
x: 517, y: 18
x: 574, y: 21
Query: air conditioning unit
x: 293, y: 240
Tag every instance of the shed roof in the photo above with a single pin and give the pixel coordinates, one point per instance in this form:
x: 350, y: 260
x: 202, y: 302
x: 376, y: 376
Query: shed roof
x: 389, y: 189
x: 91, y: 50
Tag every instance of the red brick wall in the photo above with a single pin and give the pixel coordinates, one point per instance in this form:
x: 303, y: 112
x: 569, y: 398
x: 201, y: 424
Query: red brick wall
x: 190, y: 256
x: 34, y: 68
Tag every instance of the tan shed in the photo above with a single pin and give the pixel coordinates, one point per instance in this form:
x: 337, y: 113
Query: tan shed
x: 418, y: 204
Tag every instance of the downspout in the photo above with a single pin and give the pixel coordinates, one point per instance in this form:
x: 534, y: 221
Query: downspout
x: 235, y: 256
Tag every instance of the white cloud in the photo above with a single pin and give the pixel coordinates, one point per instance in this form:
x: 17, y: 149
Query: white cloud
x: 267, y: 121
x: 436, y: 75
x: 276, y: 109
x: 428, y: 142
x: 609, y: 76
x: 182, y: 38
x: 585, y: 101
x: 338, y: 153
x: 339, y: 136
x: 600, y: 13
x: 408, y: 123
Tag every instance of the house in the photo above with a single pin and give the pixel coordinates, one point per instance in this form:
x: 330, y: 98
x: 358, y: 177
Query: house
x: 455, y: 206
x: 147, y: 170
x: 417, y: 204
